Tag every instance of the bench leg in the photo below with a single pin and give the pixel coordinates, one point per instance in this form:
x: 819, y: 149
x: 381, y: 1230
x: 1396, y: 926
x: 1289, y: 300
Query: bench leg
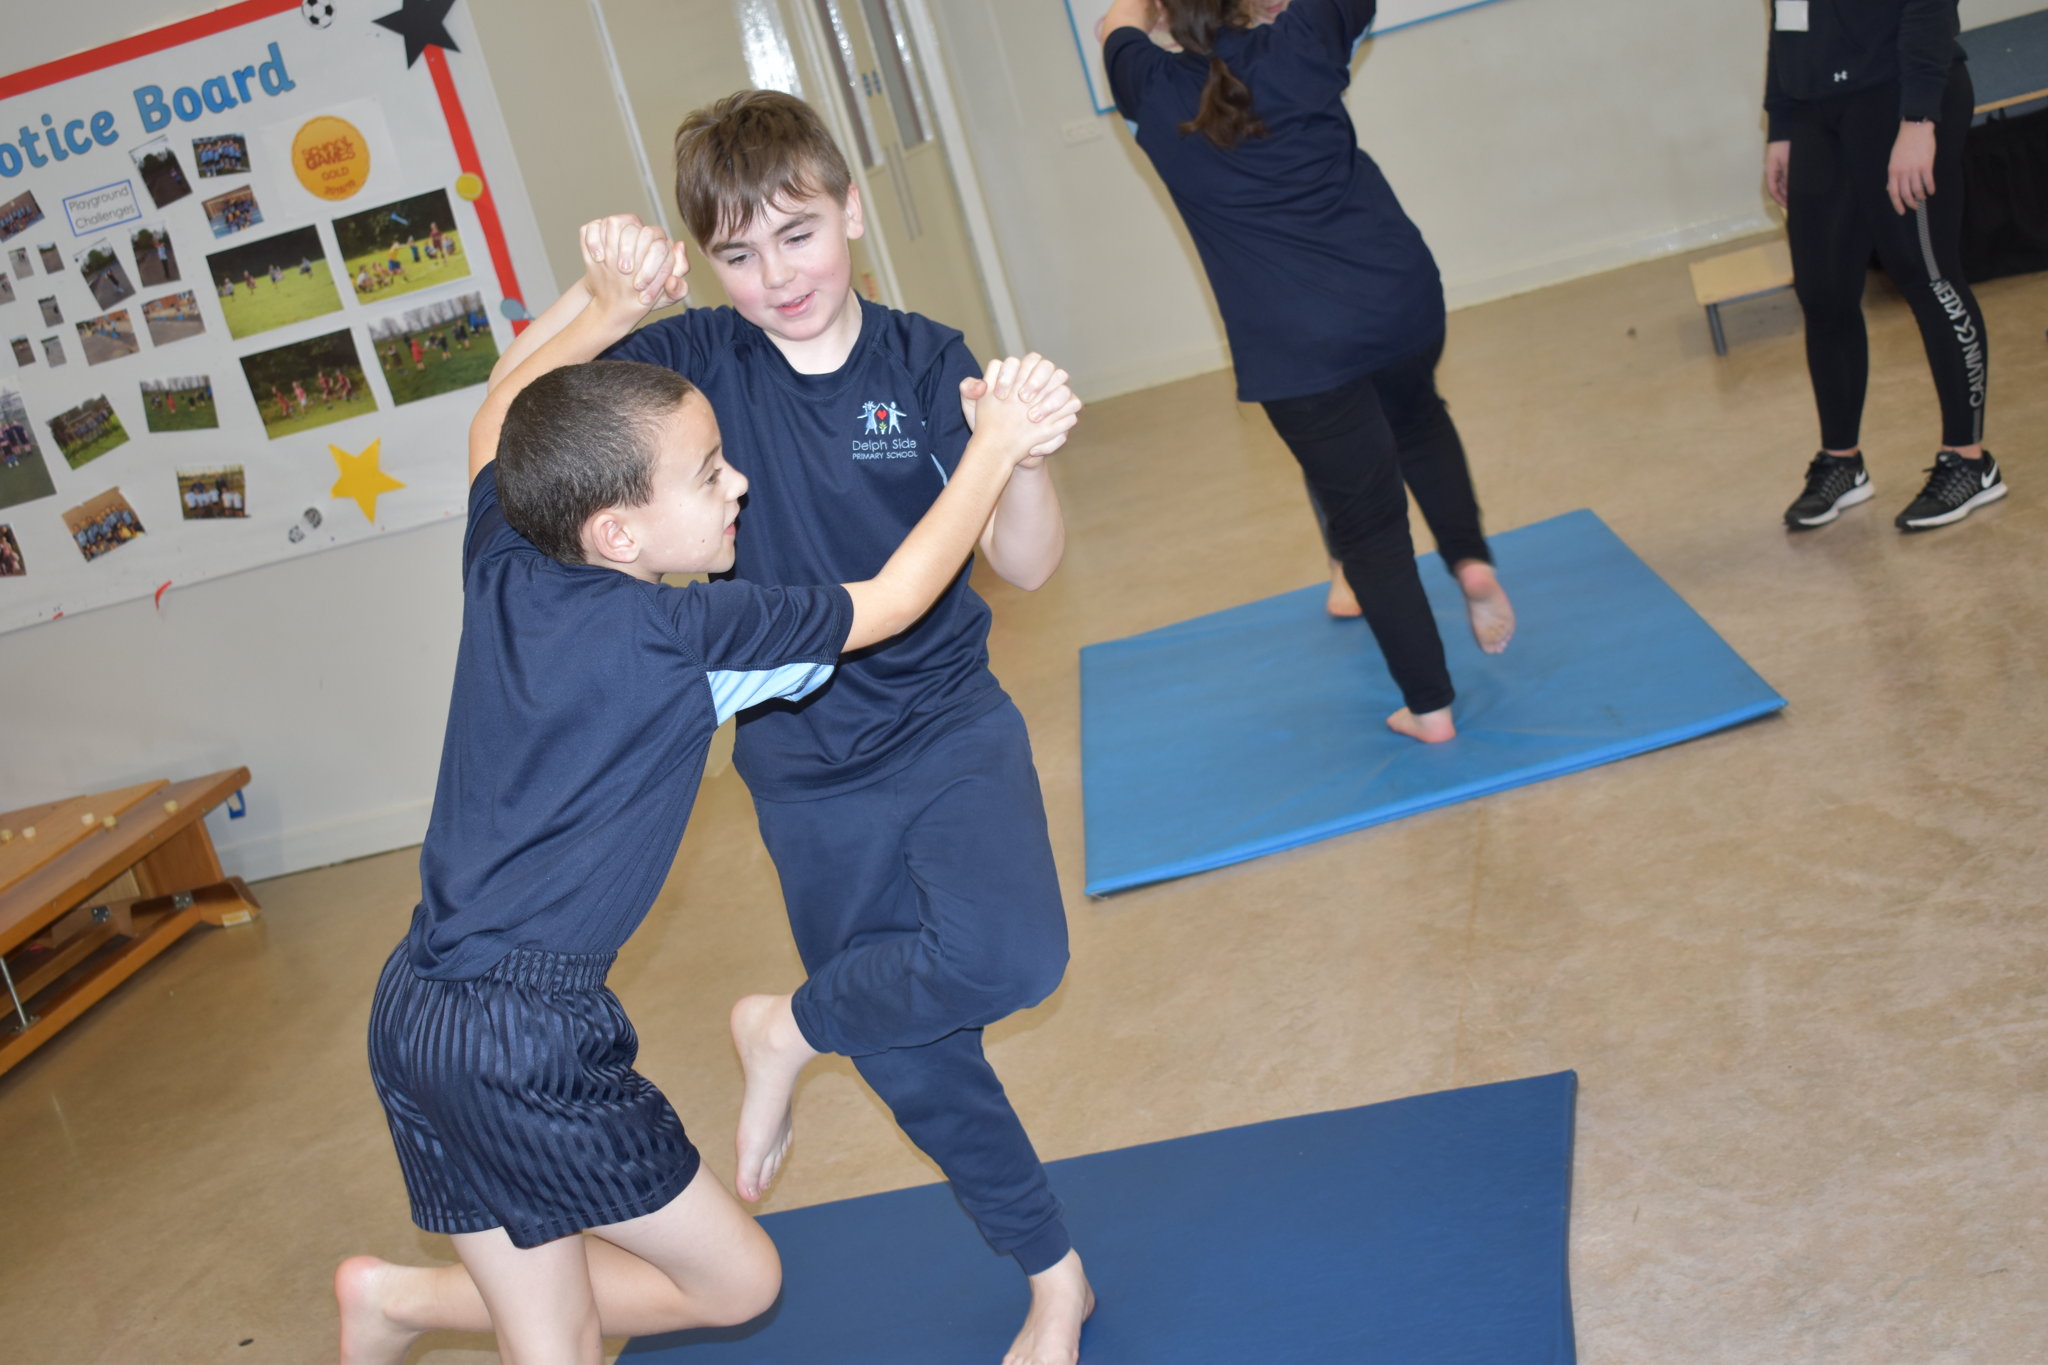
x: 1714, y: 326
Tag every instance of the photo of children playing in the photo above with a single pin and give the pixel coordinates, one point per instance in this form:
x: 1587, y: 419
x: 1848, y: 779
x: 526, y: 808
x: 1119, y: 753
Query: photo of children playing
x: 273, y: 282
x: 233, y: 211
x: 227, y: 154
x: 105, y: 523
x: 103, y: 272
x: 108, y: 337
x: 88, y: 431
x: 24, y: 352
x: 23, y: 475
x: 6, y: 287
x: 52, y: 314
x: 18, y: 258
x: 155, y: 262
x: 173, y: 318
x: 53, y: 351
x: 19, y: 214
x: 400, y: 247
x: 205, y: 494
x: 161, y: 173
x: 435, y: 348
x: 184, y: 403
x: 53, y: 259
x: 12, y: 565
x: 308, y: 384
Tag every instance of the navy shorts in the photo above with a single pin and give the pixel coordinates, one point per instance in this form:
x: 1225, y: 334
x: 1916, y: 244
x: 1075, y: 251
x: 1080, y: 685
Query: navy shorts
x: 513, y: 1101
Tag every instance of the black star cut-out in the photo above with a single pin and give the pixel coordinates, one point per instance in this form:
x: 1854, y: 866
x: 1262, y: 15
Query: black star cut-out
x: 421, y: 23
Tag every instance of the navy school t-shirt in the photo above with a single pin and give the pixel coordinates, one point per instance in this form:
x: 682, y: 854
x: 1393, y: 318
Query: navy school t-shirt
x: 1319, y: 275
x: 584, y: 704
x: 839, y: 468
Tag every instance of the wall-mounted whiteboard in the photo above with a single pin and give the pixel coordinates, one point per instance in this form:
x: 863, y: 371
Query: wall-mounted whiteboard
x: 1085, y: 14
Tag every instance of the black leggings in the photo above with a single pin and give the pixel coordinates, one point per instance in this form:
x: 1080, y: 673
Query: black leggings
x: 1838, y: 213
x: 1357, y: 446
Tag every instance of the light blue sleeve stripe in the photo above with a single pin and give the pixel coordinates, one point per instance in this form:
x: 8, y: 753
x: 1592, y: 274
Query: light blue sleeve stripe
x: 733, y: 692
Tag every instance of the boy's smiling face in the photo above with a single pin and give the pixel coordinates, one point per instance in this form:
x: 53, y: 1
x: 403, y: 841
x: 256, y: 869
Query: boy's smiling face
x: 689, y: 523
x: 790, y: 273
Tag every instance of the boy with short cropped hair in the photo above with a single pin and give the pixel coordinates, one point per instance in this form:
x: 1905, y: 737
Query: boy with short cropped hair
x: 586, y: 694
x: 899, y: 802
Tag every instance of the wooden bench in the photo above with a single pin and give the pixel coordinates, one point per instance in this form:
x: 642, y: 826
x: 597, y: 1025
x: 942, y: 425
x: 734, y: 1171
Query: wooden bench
x: 1738, y: 275
x: 93, y: 887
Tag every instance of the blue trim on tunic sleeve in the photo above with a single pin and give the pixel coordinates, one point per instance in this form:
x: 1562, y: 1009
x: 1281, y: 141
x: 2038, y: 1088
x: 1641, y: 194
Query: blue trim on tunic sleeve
x: 734, y: 691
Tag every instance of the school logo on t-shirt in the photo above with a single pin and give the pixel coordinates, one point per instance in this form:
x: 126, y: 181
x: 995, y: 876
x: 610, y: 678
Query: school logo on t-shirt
x: 881, y: 436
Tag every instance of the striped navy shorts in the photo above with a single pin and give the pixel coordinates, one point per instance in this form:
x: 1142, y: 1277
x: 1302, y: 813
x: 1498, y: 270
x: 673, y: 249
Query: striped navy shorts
x: 513, y: 1101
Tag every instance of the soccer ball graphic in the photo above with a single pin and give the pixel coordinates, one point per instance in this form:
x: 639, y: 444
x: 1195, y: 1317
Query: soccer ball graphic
x: 319, y: 13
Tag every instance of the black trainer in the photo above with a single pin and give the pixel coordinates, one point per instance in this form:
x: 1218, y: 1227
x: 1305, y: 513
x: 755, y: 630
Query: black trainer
x: 1955, y: 488
x: 1831, y: 485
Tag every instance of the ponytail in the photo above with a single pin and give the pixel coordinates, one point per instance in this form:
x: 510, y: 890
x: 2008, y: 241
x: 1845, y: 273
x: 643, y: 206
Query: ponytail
x: 1226, y: 116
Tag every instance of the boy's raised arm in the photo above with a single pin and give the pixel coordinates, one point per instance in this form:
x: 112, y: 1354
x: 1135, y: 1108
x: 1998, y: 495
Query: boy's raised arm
x: 616, y: 291
x: 932, y: 553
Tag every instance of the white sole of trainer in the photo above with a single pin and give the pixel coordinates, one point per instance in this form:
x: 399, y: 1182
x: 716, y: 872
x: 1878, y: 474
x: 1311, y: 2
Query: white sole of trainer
x: 1988, y: 496
x: 1860, y: 493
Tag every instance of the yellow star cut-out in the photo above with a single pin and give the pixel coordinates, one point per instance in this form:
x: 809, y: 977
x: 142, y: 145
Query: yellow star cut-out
x: 361, y: 478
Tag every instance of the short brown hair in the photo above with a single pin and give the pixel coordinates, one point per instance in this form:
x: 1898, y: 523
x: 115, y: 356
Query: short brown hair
x: 750, y: 149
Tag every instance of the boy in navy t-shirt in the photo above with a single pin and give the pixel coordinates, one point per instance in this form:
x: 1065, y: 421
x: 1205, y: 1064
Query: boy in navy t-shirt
x: 585, y: 697
x: 899, y: 802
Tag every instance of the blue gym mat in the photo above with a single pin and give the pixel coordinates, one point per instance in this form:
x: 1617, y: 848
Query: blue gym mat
x: 1261, y: 727
x: 1424, y: 1231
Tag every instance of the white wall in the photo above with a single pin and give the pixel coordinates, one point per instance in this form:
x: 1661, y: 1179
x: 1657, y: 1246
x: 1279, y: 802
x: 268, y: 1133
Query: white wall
x: 1531, y: 140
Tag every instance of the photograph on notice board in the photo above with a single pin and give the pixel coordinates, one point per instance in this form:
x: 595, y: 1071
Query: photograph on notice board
x: 19, y: 214
x: 103, y: 523
x: 229, y: 213
x: 53, y: 259
x: 53, y: 351
x: 162, y: 176
x: 173, y: 318
x: 273, y: 282
x: 18, y: 259
x: 24, y: 351
x: 12, y: 565
x: 88, y: 431
x: 184, y: 403
x: 435, y: 348
x: 155, y: 261
x: 399, y: 247
x: 226, y: 154
x: 6, y: 287
x: 23, y: 475
x: 308, y: 384
x: 101, y: 269
x: 108, y: 337
x: 53, y: 316
x: 205, y: 494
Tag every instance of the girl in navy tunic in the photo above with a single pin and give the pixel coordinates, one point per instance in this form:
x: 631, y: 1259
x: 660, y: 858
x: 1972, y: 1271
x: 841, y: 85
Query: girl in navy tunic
x: 1331, y: 300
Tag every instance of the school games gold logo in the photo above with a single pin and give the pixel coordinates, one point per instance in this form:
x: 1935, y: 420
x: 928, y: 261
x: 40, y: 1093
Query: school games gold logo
x: 330, y: 157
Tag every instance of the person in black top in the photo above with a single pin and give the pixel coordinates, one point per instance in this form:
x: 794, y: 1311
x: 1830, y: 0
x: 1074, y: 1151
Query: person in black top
x: 1869, y: 102
x: 1332, y: 302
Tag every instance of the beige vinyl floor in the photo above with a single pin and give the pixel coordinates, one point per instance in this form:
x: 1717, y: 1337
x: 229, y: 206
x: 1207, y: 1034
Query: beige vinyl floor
x: 1799, y: 966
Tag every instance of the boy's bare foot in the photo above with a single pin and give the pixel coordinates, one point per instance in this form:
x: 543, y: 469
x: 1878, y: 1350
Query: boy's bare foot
x: 1061, y: 1300
x: 363, y: 1287
x: 1486, y: 603
x: 1431, y: 727
x: 773, y: 1054
x: 1342, y: 602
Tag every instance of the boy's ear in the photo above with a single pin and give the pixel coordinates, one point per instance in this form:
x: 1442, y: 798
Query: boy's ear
x: 607, y: 539
x: 856, y: 215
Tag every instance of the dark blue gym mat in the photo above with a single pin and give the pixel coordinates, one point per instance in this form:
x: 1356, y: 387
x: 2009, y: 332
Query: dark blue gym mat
x: 1261, y: 728
x: 1424, y: 1231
